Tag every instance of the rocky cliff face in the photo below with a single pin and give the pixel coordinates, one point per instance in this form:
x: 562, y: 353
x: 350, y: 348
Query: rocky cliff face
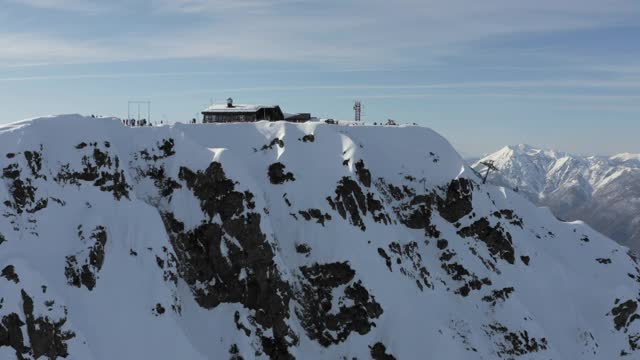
x: 602, y: 191
x: 282, y: 241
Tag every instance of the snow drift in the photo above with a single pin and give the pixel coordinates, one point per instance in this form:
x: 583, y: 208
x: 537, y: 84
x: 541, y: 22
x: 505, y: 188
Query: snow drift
x: 280, y: 240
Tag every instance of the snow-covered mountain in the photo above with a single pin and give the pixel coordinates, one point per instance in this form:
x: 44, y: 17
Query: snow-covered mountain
x: 602, y: 191
x: 280, y: 240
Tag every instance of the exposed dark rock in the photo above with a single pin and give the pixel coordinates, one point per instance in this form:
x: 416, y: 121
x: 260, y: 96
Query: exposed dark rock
x: 303, y: 249
x: 158, y: 309
x: 458, y: 272
x: 216, y: 193
x: 160, y: 262
x: 447, y: 255
x: 509, y: 215
x: 386, y: 257
x: 92, y: 258
x: 9, y: 273
x: 498, y: 241
x: 22, y: 191
x: 350, y: 201
x: 457, y: 201
x: 414, y: 211
x: 165, y: 184
x: 328, y: 275
x: 442, y: 244
x: 308, y: 138
x: 34, y: 161
x: 377, y: 210
x: 239, y: 324
x: 235, y: 353
x: 512, y: 344
x: 12, y: 172
x: 99, y: 168
x: 634, y: 342
x: 364, y: 175
x: 321, y: 321
x: 277, y: 175
x: 11, y: 334
x: 604, y: 260
x: 498, y: 295
x: 525, y: 259
x: 419, y: 212
x: 410, y: 263
x: 270, y: 146
x: 393, y: 192
x: 379, y: 352
x: 624, y: 314
x: 246, y: 273
x: 47, y: 338
x: 2, y: 239
x: 315, y: 214
x: 165, y: 149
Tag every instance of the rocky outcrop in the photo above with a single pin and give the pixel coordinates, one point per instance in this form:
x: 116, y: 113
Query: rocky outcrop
x: 83, y: 267
x: 45, y: 337
x: 352, y: 204
x: 497, y: 239
x: 321, y: 320
x: 99, y: 168
x: 232, y: 261
x: 278, y: 175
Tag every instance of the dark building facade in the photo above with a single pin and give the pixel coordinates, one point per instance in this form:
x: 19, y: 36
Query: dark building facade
x: 241, y: 113
x: 230, y: 112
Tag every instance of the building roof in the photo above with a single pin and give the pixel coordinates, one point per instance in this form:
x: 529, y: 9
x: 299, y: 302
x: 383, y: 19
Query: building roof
x: 223, y: 108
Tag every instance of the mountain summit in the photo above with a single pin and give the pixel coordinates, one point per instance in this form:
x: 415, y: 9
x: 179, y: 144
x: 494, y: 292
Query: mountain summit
x: 280, y: 240
x: 603, y: 191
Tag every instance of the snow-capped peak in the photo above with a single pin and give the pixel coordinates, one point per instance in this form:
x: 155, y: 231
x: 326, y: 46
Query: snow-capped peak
x: 575, y: 187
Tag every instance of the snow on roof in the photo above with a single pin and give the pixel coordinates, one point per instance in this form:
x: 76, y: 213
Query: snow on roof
x: 223, y: 108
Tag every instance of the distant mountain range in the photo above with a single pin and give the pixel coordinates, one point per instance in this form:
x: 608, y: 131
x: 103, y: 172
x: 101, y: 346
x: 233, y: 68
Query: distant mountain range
x: 602, y: 191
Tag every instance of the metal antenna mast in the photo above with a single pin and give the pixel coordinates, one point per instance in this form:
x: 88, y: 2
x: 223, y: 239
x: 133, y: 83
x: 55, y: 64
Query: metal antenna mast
x: 358, y: 110
x: 138, y: 103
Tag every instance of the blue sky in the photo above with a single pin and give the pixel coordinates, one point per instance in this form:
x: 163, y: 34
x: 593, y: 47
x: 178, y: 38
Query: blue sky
x: 562, y: 74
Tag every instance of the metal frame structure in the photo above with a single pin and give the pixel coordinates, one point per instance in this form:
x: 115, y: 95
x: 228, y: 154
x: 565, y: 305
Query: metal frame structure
x: 148, y: 103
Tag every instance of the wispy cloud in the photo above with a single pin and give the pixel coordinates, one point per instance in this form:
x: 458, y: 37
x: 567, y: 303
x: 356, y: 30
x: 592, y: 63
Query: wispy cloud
x: 342, y: 32
x: 41, y: 49
x: 518, y: 85
x: 573, y: 97
x: 208, y: 6
x: 84, y: 6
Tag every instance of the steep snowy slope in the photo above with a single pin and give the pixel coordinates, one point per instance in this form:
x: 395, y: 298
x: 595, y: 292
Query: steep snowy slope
x: 602, y: 191
x: 280, y: 240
